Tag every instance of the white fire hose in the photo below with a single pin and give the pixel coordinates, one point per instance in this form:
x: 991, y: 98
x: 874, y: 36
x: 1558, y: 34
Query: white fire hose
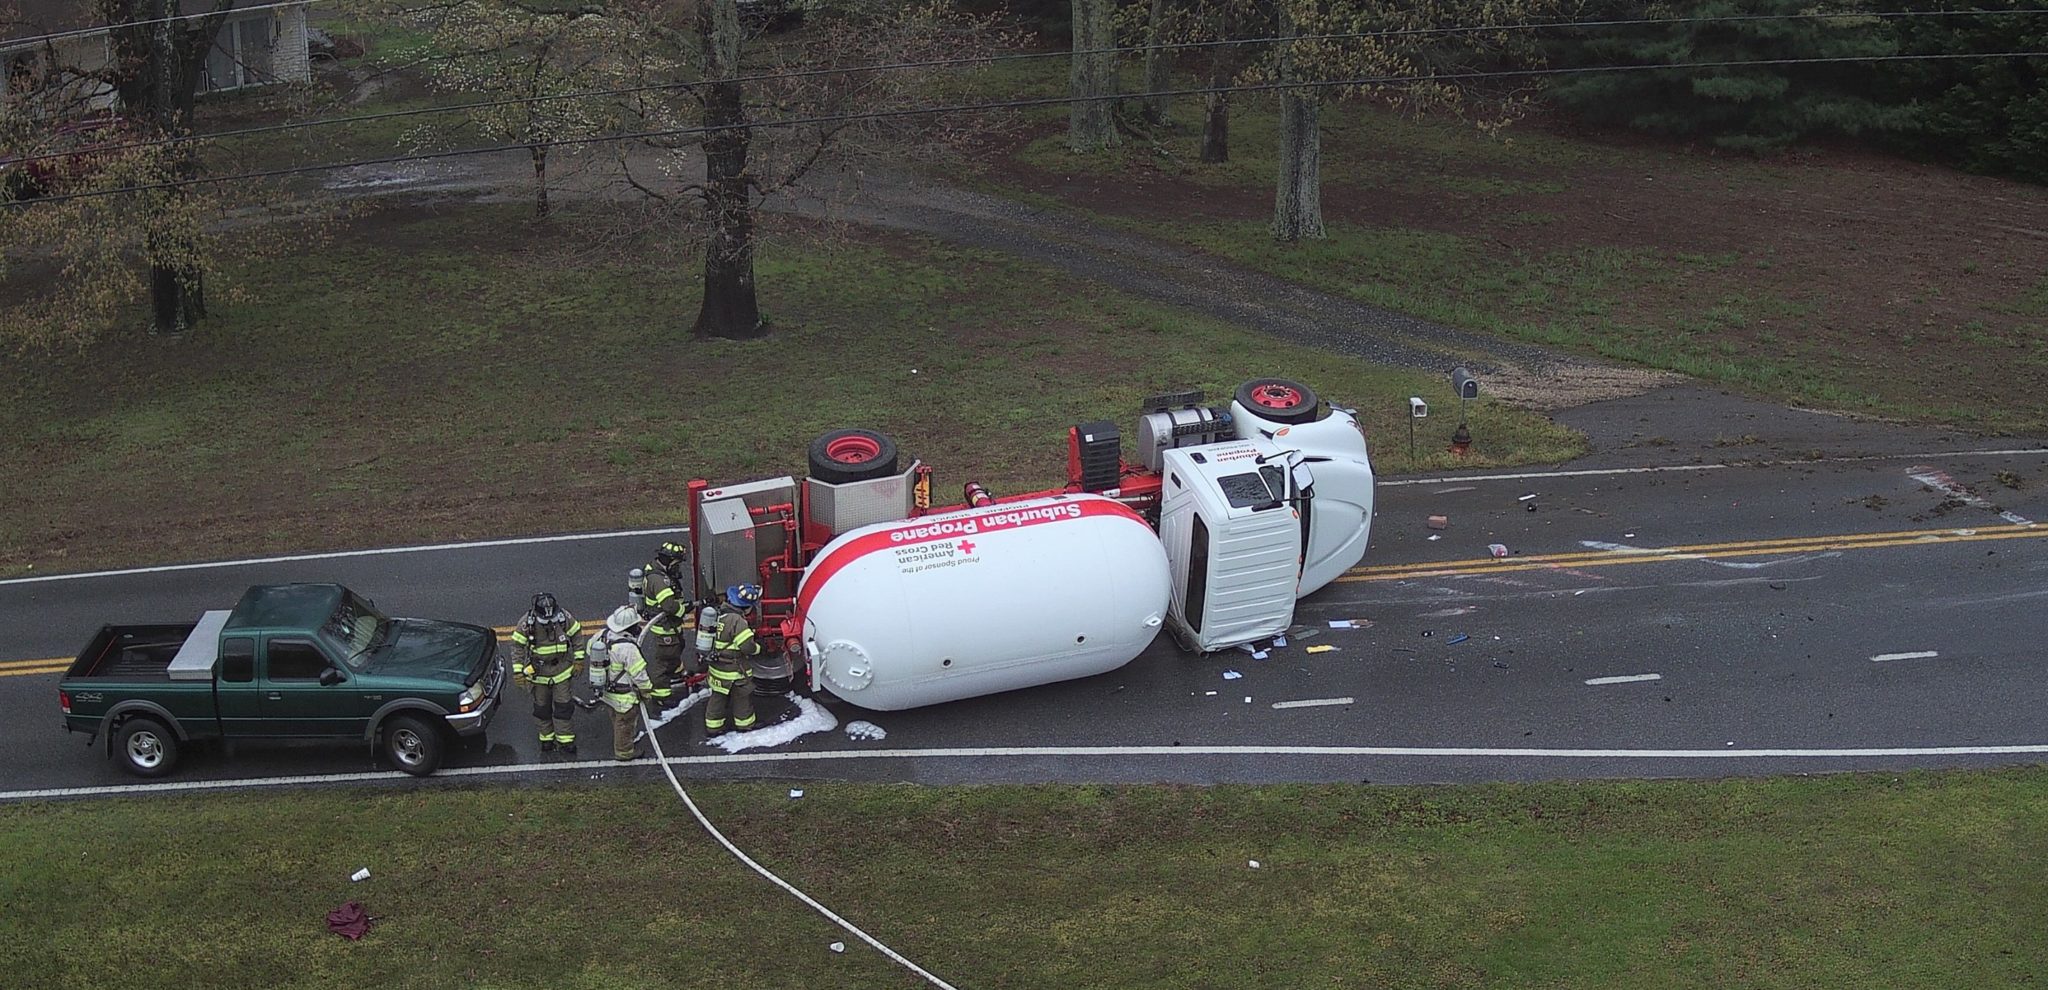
x: 653, y: 738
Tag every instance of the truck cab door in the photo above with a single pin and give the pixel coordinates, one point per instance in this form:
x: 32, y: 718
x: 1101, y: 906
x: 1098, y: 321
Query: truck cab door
x: 236, y: 699
x: 303, y: 692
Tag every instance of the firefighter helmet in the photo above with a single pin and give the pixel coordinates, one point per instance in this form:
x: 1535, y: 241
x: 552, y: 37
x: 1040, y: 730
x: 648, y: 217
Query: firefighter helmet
x: 622, y: 619
x: 743, y: 596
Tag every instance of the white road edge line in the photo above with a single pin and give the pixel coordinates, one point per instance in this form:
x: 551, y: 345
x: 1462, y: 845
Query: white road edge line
x: 1921, y: 655
x: 1315, y: 702
x: 1596, y: 472
x: 1042, y: 752
x: 1625, y: 679
x: 332, y: 555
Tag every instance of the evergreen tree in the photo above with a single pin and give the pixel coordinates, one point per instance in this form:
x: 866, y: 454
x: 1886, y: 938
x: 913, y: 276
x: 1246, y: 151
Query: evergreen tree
x: 1753, y: 108
x: 1987, y: 115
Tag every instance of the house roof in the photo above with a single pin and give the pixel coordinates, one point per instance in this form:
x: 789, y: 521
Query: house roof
x: 35, y: 18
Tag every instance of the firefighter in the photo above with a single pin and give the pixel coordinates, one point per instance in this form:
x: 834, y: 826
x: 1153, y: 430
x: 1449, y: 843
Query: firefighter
x: 664, y: 605
x: 731, y: 680
x: 544, y: 653
x: 618, y: 676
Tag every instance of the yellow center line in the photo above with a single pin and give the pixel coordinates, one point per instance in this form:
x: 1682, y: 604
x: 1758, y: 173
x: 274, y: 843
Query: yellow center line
x: 1617, y: 557
x: 1789, y: 544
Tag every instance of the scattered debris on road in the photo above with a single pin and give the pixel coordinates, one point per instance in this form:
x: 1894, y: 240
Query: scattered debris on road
x: 1439, y: 522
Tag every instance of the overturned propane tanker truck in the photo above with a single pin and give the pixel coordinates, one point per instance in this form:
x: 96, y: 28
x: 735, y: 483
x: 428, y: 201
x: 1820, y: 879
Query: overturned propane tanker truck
x: 1213, y: 527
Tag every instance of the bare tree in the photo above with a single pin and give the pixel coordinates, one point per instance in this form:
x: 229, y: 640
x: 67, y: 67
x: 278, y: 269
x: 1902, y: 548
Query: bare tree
x: 156, y: 57
x: 534, y: 61
x: 731, y: 82
x: 1395, y: 67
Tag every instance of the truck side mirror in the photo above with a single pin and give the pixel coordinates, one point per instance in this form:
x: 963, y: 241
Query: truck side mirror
x: 330, y: 677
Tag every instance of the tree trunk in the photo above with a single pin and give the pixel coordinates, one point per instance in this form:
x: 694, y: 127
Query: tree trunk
x: 1158, y: 68
x: 540, y: 180
x: 157, y: 80
x: 1091, y: 121
x: 1216, y: 122
x: 730, y: 308
x: 1298, y: 200
x: 172, y: 278
x: 1298, y: 196
x: 177, y: 298
x: 1216, y: 130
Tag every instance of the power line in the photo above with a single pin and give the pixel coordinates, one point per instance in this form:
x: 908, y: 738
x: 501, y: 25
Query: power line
x: 29, y: 42
x: 1009, y: 105
x: 1015, y: 57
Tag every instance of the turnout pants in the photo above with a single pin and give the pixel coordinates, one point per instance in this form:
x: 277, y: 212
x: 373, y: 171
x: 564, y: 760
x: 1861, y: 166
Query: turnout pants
x: 664, y: 653
x: 553, y: 707
x: 732, y: 692
x: 624, y: 725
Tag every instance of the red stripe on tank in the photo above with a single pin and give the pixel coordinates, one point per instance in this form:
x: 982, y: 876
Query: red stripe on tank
x: 931, y: 529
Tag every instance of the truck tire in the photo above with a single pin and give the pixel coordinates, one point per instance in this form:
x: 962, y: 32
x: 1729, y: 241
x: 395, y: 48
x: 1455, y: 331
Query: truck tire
x: 1280, y: 400
x: 147, y: 747
x: 413, y: 745
x: 842, y: 456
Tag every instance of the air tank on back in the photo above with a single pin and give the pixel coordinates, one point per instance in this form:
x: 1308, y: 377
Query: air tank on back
x: 981, y: 600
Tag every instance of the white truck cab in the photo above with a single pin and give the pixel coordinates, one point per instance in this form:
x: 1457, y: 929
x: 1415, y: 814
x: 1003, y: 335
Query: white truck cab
x: 1254, y: 524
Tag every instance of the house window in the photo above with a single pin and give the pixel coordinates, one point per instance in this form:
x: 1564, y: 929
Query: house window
x: 242, y: 54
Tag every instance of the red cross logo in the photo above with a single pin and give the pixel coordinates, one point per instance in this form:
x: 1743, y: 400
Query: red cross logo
x: 966, y: 546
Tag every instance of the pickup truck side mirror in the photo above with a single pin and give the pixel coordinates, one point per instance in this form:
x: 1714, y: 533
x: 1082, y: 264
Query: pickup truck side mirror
x: 330, y: 677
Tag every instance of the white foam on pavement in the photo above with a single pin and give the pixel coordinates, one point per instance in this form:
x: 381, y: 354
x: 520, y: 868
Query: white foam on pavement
x: 811, y: 717
x: 865, y: 730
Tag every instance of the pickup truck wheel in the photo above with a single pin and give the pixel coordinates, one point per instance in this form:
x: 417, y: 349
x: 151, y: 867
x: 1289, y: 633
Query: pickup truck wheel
x: 147, y: 748
x: 413, y: 745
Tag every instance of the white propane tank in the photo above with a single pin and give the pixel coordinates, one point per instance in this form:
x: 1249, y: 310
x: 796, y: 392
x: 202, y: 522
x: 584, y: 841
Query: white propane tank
x: 967, y: 603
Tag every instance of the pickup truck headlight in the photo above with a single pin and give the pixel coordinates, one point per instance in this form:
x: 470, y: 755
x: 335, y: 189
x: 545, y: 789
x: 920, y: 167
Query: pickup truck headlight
x: 471, y: 696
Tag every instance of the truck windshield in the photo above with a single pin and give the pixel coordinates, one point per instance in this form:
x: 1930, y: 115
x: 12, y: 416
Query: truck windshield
x: 361, y: 629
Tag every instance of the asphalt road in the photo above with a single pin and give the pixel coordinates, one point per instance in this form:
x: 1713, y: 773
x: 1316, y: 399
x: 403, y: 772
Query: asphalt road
x: 1689, y: 601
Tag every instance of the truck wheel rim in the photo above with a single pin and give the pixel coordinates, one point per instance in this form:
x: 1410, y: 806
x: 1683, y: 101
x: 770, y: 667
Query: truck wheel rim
x: 1276, y: 396
x: 408, y: 747
x: 145, y: 750
x: 852, y: 450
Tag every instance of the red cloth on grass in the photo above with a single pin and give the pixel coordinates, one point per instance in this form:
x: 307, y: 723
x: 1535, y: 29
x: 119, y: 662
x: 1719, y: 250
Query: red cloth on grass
x: 349, y: 921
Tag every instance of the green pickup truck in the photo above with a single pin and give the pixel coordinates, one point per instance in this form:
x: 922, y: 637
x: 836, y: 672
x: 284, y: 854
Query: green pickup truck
x: 290, y: 661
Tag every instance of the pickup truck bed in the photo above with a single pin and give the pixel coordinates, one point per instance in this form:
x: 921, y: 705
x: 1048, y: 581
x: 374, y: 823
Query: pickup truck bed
x: 131, y: 653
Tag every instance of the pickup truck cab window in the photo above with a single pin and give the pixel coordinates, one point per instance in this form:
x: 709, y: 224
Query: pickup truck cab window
x: 238, y: 660
x: 291, y: 660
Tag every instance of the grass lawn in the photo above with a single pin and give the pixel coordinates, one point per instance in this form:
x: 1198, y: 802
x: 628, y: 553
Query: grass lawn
x: 455, y: 372
x: 1838, y: 279
x: 1922, y: 880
